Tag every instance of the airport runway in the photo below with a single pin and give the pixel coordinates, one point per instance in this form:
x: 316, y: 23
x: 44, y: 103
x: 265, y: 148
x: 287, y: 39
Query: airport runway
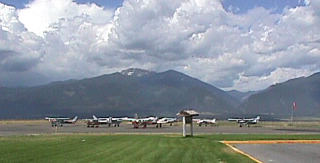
x: 293, y: 153
x: 44, y: 127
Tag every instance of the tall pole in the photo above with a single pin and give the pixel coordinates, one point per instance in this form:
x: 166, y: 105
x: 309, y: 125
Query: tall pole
x: 184, y: 126
x: 191, y: 127
x: 292, y: 116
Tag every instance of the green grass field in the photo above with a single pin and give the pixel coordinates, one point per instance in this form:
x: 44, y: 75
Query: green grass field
x: 127, y: 148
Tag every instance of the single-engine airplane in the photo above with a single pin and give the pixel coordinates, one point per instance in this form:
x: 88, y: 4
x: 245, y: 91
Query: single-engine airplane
x: 245, y: 121
x: 55, y: 122
x: 96, y: 122
x: 205, y: 122
x: 166, y: 120
x: 136, y: 122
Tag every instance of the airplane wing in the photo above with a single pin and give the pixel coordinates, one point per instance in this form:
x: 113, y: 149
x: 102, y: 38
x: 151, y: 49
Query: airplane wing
x: 166, y: 120
x: 129, y: 119
x: 234, y: 119
x: 252, y: 119
x: 55, y: 118
x: 117, y: 119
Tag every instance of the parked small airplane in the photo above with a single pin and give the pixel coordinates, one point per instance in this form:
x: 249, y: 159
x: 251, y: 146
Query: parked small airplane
x: 167, y: 120
x: 60, y: 121
x: 96, y: 122
x: 145, y: 121
x: 245, y: 121
x: 205, y: 122
x: 136, y: 122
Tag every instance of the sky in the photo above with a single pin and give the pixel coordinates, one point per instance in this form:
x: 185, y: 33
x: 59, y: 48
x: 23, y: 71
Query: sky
x: 231, y: 44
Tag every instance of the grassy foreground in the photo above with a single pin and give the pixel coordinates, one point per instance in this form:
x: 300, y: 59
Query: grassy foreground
x: 127, y: 148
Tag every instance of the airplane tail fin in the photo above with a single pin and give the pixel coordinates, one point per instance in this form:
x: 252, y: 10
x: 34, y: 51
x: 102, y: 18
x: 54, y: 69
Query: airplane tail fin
x: 75, y: 119
x: 256, y: 120
x: 94, y: 117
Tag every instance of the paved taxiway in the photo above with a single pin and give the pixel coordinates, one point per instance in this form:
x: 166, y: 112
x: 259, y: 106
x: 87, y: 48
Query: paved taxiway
x: 44, y: 127
x: 293, y: 153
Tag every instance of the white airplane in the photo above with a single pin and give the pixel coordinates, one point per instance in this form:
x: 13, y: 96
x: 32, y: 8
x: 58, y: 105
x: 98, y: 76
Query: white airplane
x: 96, y: 122
x: 136, y: 122
x: 60, y: 121
x: 205, y: 122
x: 167, y: 120
x: 245, y: 121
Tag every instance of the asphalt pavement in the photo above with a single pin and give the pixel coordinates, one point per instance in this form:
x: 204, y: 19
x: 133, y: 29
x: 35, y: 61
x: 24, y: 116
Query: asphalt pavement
x: 44, y: 127
x: 283, y: 153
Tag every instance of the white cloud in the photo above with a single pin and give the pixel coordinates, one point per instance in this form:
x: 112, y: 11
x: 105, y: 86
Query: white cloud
x: 60, y: 39
x: 9, y: 20
x: 247, y: 83
x: 39, y: 15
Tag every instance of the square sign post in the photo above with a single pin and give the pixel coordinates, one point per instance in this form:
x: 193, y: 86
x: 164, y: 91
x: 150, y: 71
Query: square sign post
x: 187, y: 116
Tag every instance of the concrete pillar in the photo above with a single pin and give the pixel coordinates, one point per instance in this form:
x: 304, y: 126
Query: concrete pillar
x: 191, y: 128
x: 184, y: 126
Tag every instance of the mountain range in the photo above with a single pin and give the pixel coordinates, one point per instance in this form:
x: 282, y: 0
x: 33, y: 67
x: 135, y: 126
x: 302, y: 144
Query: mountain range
x: 118, y: 94
x: 241, y: 96
x: 278, y: 99
x: 151, y: 93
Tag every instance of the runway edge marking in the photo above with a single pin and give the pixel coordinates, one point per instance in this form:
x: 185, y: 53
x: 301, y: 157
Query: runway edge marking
x: 273, y: 142
x: 241, y: 152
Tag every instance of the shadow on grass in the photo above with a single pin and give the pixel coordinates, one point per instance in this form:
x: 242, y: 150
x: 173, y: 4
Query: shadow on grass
x: 195, y: 137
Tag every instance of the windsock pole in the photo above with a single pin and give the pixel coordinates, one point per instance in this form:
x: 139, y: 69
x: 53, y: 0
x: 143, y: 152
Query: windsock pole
x: 294, y: 107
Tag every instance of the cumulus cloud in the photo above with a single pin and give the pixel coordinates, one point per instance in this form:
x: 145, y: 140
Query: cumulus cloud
x: 39, y: 15
x: 60, y: 39
x: 247, y: 83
